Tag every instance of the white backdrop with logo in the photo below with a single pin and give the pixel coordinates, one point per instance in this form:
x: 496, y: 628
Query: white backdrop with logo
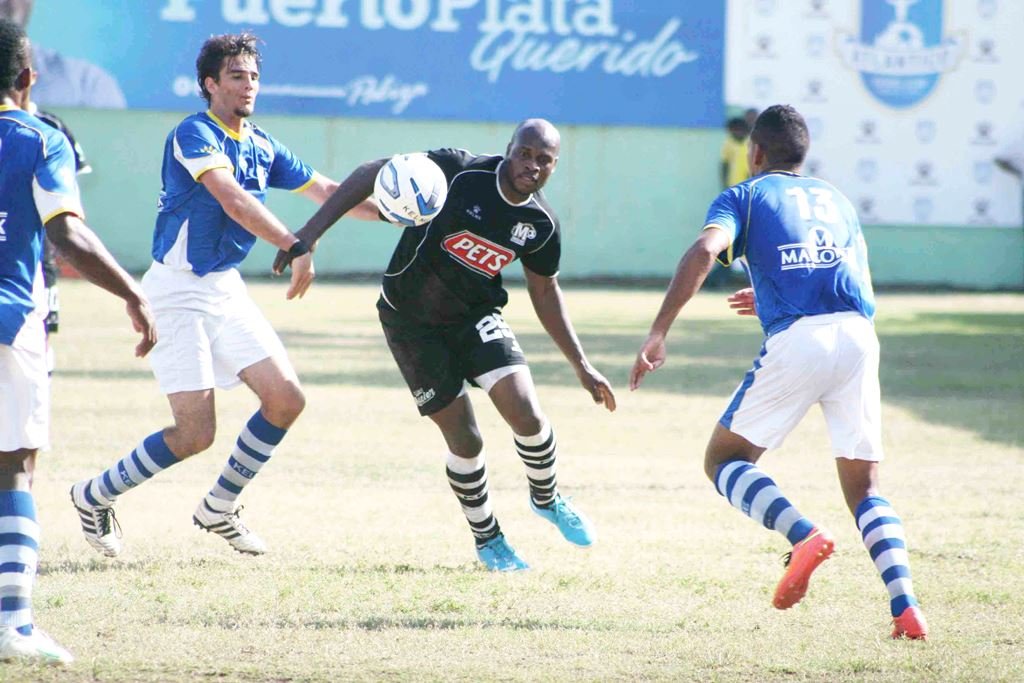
x: 908, y: 101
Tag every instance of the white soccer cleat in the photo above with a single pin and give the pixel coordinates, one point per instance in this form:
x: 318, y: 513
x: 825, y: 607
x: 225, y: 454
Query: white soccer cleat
x: 228, y: 526
x: 99, y: 525
x: 38, y: 646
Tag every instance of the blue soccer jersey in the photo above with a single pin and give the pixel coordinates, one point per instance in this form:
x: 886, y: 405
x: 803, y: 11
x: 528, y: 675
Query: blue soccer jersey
x: 192, y: 230
x: 37, y: 183
x: 801, y: 242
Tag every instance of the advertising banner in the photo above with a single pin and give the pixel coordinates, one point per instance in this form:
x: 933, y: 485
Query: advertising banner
x: 624, y: 62
x: 909, y: 102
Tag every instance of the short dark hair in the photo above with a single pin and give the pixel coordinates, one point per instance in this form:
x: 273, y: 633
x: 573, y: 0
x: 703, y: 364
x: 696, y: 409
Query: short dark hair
x: 217, y: 49
x: 738, y: 123
x: 781, y: 132
x: 14, y: 53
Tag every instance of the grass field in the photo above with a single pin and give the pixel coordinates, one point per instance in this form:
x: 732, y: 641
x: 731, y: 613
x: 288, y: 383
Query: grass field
x: 372, y: 575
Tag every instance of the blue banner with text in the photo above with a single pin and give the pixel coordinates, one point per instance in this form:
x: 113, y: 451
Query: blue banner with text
x: 619, y: 62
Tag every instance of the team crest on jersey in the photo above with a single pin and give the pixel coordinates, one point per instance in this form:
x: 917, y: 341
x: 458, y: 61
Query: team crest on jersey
x: 474, y: 212
x: 819, y: 251
x: 900, y: 51
x: 523, y: 232
x: 477, y: 253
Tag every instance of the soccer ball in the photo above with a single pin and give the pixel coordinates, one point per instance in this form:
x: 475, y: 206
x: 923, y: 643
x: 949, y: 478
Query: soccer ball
x: 410, y: 189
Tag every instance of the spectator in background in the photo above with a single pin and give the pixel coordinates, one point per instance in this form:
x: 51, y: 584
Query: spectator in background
x: 1011, y: 160
x: 735, y: 168
x: 64, y: 81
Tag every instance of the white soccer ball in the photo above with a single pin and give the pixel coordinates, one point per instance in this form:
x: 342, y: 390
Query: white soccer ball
x: 410, y: 189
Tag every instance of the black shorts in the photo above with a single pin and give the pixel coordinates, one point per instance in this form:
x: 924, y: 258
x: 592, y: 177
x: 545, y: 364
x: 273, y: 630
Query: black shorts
x: 435, y: 360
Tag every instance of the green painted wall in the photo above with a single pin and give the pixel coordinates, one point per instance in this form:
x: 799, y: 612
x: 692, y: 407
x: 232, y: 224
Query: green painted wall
x: 630, y: 199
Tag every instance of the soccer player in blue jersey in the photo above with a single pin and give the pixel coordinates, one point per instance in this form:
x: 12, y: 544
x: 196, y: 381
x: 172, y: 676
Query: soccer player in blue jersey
x: 217, y: 167
x: 800, y: 240
x: 37, y: 194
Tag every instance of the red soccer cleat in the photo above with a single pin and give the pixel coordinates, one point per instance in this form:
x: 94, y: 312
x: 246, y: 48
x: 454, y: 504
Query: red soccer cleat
x: 910, y: 625
x: 803, y: 560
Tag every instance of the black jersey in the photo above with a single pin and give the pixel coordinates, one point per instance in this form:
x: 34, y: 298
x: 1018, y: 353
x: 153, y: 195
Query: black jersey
x: 450, y: 269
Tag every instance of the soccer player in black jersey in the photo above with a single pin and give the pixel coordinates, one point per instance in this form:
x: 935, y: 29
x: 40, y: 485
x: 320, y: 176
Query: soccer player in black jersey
x: 440, y: 307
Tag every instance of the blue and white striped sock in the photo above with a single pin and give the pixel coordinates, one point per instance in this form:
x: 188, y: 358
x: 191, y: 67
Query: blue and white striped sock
x: 882, y: 532
x: 149, y: 458
x: 19, y: 556
x: 252, y: 450
x: 753, y: 493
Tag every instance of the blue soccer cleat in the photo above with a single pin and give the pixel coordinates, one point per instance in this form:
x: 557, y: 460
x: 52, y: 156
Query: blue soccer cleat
x: 573, y: 524
x: 498, y: 556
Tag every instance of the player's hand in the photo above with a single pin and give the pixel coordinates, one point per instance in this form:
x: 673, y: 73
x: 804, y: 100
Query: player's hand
x: 303, y: 273
x: 650, y: 357
x: 742, y: 301
x: 599, y: 388
x: 142, y: 321
x: 284, y: 259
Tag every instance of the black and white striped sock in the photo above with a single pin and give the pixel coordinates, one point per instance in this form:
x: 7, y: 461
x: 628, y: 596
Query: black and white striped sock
x: 538, y: 454
x: 468, y: 479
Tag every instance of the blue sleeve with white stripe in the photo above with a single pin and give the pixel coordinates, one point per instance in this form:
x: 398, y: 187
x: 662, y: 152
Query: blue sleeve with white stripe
x: 198, y: 148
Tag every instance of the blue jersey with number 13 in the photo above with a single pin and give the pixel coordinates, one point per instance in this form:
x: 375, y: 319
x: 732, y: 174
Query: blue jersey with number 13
x: 800, y: 240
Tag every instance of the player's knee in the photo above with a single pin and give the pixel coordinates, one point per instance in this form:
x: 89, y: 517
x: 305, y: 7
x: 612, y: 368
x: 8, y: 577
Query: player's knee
x: 467, y: 443
x: 285, y: 406
x: 191, y: 441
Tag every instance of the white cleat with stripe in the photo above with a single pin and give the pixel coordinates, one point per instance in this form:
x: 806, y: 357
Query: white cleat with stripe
x: 99, y: 525
x: 38, y: 646
x: 228, y: 526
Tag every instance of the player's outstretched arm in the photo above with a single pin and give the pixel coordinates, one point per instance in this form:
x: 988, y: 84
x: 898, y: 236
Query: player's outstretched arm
x: 546, y: 297
x: 84, y: 250
x: 252, y: 215
x: 690, y: 274
x: 351, y: 196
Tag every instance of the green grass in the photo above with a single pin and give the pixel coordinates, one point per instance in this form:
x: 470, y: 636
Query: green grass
x: 371, y: 573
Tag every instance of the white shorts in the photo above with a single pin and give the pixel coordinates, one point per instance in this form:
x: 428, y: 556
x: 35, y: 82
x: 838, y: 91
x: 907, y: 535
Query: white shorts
x: 25, y: 389
x: 831, y: 360
x: 208, y: 329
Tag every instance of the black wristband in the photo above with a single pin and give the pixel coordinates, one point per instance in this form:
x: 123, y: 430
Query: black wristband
x: 298, y: 249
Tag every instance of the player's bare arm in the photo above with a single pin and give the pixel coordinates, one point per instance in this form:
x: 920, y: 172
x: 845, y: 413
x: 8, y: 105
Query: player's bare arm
x: 83, y: 249
x: 351, y: 197
x: 546, y: 297
x: 690, y: 274
x: 248, y: 212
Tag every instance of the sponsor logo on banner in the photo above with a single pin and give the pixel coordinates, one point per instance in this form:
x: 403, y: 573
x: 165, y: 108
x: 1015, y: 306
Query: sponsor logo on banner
x: 815, y: 45
x: 477, y: 253
x: 983, y: 134
x: 763, y: 87
x: 984, y: 91
x: 986, y: 51
x: 866, y: 209
x: 867, y: 170
x: 815, y: 91
x: 819, y: 251
x: 925, y: 130
x: 817, y: 9
x: 900, y: 50
x: 981, y: 212
x: 924, y: 174
x: 923, y: 207
x: 763, y: 47
x: 867, y: 132
x: 983, y: 172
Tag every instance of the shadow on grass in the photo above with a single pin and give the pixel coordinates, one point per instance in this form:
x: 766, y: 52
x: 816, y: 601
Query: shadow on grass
x: 964, y: 370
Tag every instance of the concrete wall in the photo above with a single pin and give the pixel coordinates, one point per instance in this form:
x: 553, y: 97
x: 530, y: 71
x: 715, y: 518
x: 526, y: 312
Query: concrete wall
x: 630, y: 199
